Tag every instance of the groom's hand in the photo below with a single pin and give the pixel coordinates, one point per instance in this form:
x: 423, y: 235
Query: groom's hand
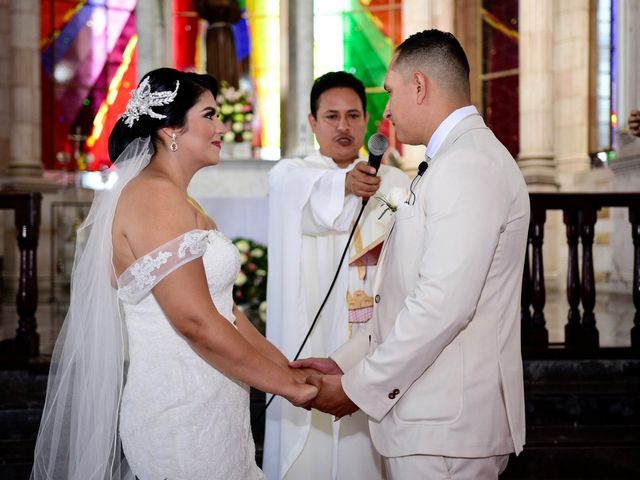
x: 331, y: 397
x: 322, y: 365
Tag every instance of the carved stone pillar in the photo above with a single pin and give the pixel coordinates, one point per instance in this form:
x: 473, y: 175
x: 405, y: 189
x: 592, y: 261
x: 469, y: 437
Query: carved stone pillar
x: 571, y: 89
x: 24, y: 92
x: 536, y: 157
x: 153, y: 25
x: 626, y: 166
x: 296, y: 21
x: 5, y: 62
x: 419, y: 15
x: 628, y: 93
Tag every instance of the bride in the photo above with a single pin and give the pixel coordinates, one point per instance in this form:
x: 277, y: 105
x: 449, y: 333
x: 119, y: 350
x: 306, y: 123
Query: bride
x: 153, y: 275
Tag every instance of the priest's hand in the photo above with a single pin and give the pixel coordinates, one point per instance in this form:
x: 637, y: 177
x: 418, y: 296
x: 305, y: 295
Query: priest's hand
x: 331, y: 397
x: 322, y: 365
x: 634, y: 123
x: 362, y: 181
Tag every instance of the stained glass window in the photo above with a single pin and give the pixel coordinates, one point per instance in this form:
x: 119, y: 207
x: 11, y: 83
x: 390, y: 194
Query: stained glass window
x: 602, y: 143
x: 359, y: 36
x: 88, y: 68
x: 500, y: 70
x: 88, y: 51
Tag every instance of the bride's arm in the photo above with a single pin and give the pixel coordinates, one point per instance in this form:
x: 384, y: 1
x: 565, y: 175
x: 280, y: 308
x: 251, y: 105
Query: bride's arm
x: 184, y: 297
x: 266, y: 348
x: 255, y: 338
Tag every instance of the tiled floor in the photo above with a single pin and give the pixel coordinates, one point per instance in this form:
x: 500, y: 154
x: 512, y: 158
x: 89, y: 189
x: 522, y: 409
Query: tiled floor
x: 614, y: 316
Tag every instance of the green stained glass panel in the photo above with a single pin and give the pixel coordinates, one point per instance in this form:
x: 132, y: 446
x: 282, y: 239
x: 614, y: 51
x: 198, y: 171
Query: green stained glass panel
x: 367, y: 52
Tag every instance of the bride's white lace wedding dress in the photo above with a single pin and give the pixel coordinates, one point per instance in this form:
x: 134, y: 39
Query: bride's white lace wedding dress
x: 181, y: 419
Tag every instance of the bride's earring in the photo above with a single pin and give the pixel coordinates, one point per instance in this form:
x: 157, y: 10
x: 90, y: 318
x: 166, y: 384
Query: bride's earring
x: 174, y: 144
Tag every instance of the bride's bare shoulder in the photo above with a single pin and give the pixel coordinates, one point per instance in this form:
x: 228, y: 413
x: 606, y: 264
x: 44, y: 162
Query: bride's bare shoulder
x: 153, y: 208
x: 149, y: 196
x: 151, y: 211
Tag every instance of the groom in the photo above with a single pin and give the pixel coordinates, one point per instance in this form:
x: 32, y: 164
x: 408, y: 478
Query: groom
x: 439, y: 373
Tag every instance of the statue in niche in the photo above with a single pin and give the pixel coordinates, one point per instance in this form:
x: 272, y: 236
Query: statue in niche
x: 221, y: 51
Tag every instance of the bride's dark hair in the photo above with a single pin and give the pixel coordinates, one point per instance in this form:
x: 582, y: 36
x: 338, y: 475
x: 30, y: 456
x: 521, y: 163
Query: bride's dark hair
x: 192, y: 85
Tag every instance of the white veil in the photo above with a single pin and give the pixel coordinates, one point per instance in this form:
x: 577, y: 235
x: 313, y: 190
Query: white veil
x: 78, y: 437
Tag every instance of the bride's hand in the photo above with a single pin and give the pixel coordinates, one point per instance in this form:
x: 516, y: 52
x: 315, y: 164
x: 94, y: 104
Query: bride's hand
x: 301, y: 395
x: 301, y: 374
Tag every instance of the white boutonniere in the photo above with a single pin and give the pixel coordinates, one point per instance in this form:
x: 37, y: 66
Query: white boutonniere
x: 393, y: 198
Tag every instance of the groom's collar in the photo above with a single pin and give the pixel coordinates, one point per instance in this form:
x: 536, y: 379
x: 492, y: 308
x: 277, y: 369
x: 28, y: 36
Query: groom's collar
x: 472, y: 122
x: 446, y: 127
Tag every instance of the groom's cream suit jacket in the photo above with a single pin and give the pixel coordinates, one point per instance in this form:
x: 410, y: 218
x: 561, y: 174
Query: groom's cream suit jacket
x: 440, y: 370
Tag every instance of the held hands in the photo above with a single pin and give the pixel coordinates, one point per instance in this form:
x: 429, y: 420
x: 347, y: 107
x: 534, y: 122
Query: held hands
x: 320, y: 365
x: 362, y: 181
x: 331, y: 397
x: 301, y: 394
x: 301, y: 374
x: 634, y: 123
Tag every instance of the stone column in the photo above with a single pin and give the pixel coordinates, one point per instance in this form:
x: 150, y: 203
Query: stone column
x: 153, y: 24
x: 536, y: 157
x: 296, y: 21
x: 571, y: 74
x: 626, y: 166
x: 628, y: 92
x: 24, y: 90
x: 5, y: 61
x: 419, y: 15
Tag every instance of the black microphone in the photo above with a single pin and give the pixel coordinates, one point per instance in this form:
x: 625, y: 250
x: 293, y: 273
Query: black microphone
x: 422, y: 167
x: 377, y: 144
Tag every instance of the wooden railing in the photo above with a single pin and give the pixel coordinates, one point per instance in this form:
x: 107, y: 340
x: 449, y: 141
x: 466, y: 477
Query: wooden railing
x: 26, y: 207
x: 579, y: 215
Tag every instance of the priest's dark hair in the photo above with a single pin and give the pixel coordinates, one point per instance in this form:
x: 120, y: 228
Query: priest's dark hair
x: 192, y: 86
x: 438, y: 55
x: 336, y: 80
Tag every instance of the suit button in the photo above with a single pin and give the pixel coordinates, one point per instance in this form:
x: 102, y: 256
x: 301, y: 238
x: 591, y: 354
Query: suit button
x: 392, y: 396
x: 396, y: 391
x: 377, y: 299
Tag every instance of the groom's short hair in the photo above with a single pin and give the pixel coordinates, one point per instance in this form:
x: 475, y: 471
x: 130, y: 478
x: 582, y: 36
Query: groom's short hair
x: 438, y: 55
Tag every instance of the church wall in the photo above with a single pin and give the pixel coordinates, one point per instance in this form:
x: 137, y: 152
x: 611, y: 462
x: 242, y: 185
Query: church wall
x: 4, y: 86
x: 573, y: 70
x: 418, y: 15
x: 571, y: 88
x: 570, y: 57
x: 626, y: 167
x: 570, y: 119
x: 4, y: 120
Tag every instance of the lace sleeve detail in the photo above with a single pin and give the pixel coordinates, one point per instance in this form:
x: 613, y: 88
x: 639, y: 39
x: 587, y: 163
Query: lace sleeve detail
x: 138, y: 280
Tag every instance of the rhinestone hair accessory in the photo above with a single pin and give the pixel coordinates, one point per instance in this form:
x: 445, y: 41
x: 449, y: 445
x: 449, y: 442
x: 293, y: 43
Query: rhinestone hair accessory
x: 142, y: 99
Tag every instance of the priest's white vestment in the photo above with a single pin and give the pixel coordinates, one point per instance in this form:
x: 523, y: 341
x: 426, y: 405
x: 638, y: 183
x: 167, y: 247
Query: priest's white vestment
x: 310, y: 219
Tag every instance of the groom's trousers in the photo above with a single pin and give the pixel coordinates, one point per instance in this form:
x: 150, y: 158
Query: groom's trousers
x: 434, y: 467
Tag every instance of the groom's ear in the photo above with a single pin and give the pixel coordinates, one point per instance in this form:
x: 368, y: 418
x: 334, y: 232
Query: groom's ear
x: 420, y: 83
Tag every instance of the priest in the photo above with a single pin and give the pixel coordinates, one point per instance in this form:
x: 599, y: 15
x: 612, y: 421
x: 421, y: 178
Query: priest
x: 313, y: 203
